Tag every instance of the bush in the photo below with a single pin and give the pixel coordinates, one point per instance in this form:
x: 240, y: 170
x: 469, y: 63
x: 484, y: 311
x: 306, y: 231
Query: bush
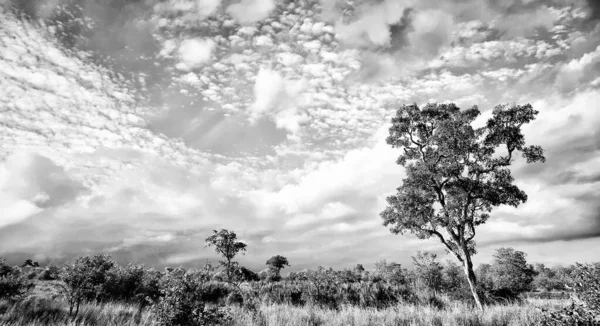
x: 181, y: 301
x: 13, y: 285
x: 585, y: 308
x: 49, y: 273
x: 132, y: 283
x: 244, y: 274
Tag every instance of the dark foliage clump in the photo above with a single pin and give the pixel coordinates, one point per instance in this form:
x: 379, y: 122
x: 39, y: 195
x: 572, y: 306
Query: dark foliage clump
x: 13, y: 285
x: 181, y: 302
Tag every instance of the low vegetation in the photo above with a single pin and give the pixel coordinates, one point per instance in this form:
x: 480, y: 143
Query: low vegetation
x: 96, y: 290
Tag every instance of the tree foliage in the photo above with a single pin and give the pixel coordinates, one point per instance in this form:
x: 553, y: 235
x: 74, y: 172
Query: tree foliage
x: 510, y: 271
x: 455, y: 172
x: 84, y: 278
x: 277, y: 263
x: 547, y: 279
x: 181, y: 302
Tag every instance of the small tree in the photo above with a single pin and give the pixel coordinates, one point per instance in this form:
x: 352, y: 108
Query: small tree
x: 510, y: 271
x: 84, y: 279
x: 428, y: 271
x: 277, y: 263
x: 226, y: 244
x: 455, y: 174
x: 359, y: 269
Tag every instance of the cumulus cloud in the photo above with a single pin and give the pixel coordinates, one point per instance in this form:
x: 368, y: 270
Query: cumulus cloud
x: 277, y: 97
x: 573, y: 73
x: 361, y: 172
x: 249, y: 11
x: 194, y: 53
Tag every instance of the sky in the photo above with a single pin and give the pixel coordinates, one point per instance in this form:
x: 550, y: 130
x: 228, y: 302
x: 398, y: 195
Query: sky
x: 137, y: 127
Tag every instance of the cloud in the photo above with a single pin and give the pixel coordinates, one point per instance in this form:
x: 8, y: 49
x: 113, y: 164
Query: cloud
x: 249, y: 11
x: 31, y: 183
x: 364, y: 172
x: 207, y: 7
x: 572, y: 74
x: 431, y: 30
x: 373, y: 23
x: 526, y: 22
x: 594, y: 9
x: 277, y: 97
x: 194, y: 53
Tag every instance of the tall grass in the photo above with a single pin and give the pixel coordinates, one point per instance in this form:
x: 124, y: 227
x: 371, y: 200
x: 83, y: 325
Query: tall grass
x: 456, y: 314
x: 38, y: 311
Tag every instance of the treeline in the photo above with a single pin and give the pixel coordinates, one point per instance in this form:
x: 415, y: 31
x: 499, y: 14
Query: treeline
x: 184, y: 297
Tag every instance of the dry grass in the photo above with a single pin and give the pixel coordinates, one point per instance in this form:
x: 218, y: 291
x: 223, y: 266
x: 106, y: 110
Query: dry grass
x: 45, y: 307
x: 36, y: 311
x: 455, y: 315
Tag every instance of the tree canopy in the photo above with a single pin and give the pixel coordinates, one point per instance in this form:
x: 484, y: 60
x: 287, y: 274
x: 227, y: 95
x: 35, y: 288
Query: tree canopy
x: 277, y: 263
x: 510, y: 270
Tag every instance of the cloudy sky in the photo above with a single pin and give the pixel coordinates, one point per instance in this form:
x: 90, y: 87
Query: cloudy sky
x: 136, y: 127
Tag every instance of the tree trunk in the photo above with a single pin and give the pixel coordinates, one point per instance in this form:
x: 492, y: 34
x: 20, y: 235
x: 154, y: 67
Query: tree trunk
x: 468, y: 264
x: 228, y: 271
x: 77, y: 309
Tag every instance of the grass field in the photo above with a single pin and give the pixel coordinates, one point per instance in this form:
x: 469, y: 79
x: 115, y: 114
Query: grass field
x: 44, y: 306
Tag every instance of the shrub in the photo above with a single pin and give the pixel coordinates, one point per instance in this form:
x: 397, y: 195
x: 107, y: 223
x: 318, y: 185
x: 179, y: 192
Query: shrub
x: 181, y: 301
x: 244, y: 274
x: 390, y: 272
x: 132, y: 283
x: 547, y: 279
x: 428, y: 271
x: 13, y: 285
x: 585, y: 308
x: 49, y: 273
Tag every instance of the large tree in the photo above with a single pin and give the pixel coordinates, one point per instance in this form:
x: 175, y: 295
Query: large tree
x: 456, y: 173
